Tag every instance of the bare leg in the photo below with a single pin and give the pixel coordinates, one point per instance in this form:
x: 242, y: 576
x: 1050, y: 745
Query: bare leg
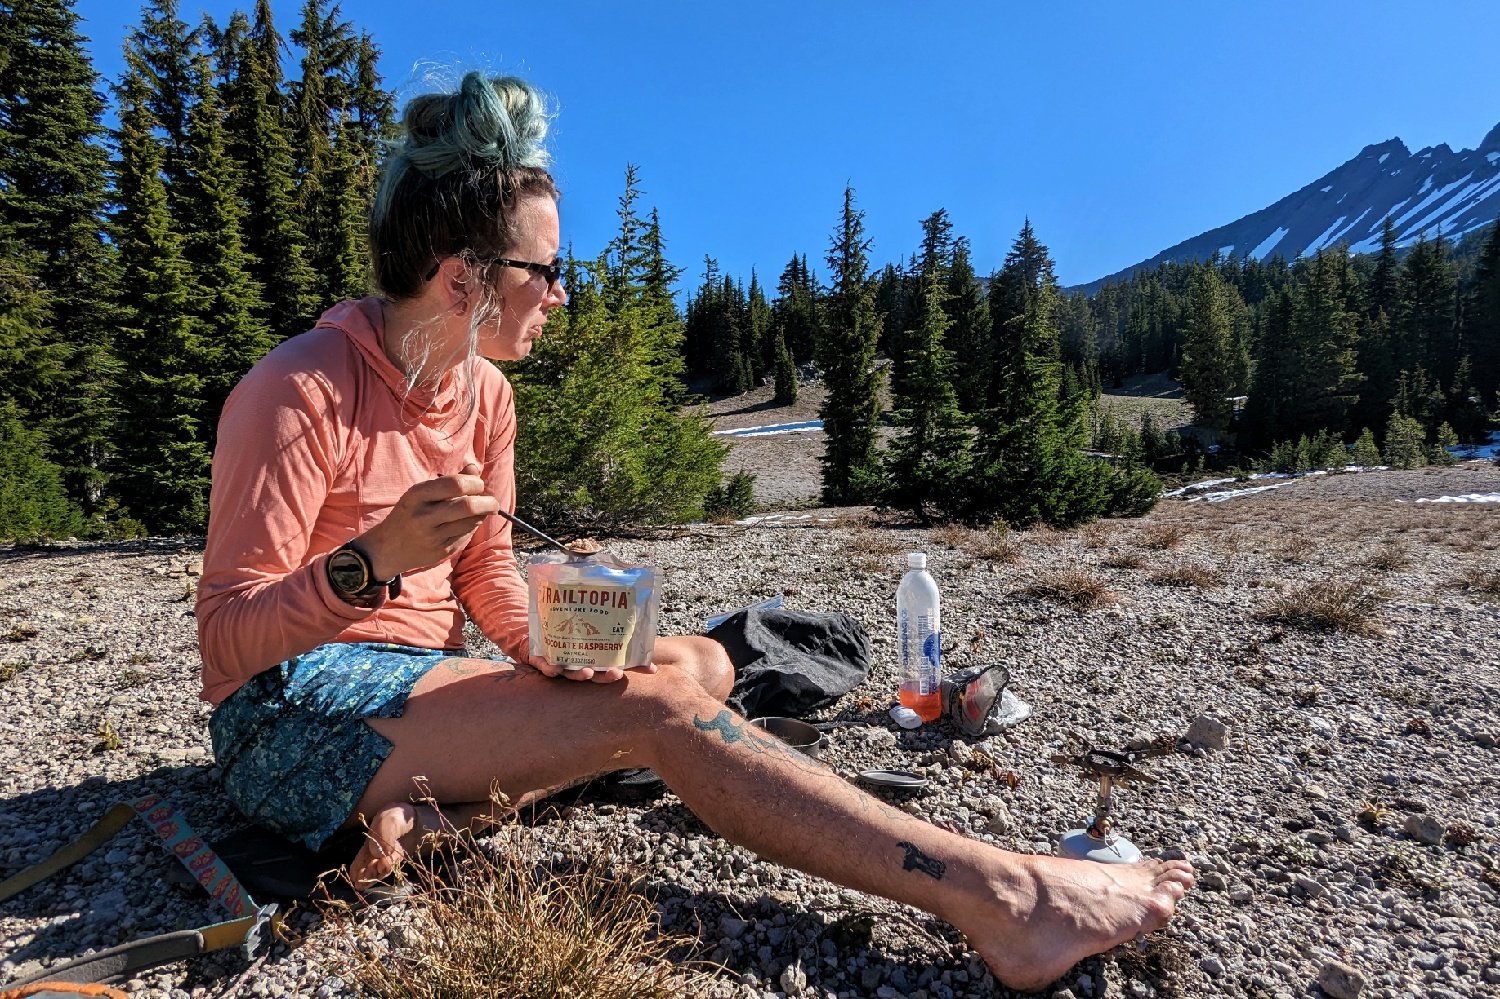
x: 469, y: 723
x: 397, y: 827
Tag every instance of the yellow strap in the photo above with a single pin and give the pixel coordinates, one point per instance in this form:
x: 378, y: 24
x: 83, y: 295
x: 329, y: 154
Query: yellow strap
x: 114, y: 820
x: 230, y: 934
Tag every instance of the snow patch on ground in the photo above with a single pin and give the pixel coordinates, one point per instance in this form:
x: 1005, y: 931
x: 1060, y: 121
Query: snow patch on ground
x: 773, y: 428
x: 1208, y: 490
x: 1467, y: 498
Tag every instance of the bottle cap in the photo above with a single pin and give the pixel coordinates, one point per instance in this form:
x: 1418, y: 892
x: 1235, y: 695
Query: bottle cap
x: 916, y: 560
x: 905, y: 717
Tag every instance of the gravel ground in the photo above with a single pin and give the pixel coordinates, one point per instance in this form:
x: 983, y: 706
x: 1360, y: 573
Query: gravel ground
x: 1349, y: 821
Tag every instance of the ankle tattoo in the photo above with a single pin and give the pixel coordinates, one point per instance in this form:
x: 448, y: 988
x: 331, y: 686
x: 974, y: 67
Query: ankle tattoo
x: 916, y: 860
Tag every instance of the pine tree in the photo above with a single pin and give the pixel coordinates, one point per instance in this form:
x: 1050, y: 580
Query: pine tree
x: 160, y: 51
x: 228, y: 300
x: 1428, y: 310
x: 936, y: 258
x: 1404, y: 442
x: 1366, y: 454
x: 727, y: 339
x: 1464, y: 407
x: 891, y: 314
x: 327, y: 173
x: 927, y: 465
x: 33, y: 503
x: 599, y: 445
x: 1029, y: 453
x: 1306, y: 377
x: 700, y: 337
x: 627, y: 250
x: 163, y: 464
x: 760, y: 342
x: 639, y: 280
x: 257, y: 141
x: 786, y: 374
x: 58, y: 272
x: 1016, y: 293
x: 846, y: 355
x: 1384, y: 294
x: 1208, y: 368
x: 794, y: 314
x: 1482, y: 320
x: 343, y: 252
x: 968, y: 332
x: 373, y: 107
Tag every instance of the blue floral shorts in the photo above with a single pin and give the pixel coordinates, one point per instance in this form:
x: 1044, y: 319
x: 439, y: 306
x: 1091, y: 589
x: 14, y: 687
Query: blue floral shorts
x: 292, y: 743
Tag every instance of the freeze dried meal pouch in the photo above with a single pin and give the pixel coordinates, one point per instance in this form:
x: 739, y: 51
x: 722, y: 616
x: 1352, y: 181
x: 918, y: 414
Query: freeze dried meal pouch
x: 592, y: 610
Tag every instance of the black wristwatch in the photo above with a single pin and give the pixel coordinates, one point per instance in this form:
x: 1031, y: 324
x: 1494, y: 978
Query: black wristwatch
x: 353, y: 578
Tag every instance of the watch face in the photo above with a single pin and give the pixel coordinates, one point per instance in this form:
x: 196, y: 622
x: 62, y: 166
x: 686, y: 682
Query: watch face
x: 346, y: 571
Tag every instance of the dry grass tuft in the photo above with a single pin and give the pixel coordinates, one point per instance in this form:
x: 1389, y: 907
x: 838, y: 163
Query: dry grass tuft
x: 1044, y: 535
x: 872, y: 550
x: 1392, y: 555
x: 1095, y: 535
x: 1187, y: 574
x: 1162, y: 536
x: 1331, y: 605
x: 1483, y: 583
x: 1072, y: 588
x: 995, y: 545
x: 516, y: 925
x: 952, y: 536
x: 1124, y: 560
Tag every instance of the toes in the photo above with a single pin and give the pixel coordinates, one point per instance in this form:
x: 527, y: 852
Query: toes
x: 1177, y: 876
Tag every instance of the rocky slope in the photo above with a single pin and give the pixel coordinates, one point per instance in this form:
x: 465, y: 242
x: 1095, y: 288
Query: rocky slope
x: 1347, y: 827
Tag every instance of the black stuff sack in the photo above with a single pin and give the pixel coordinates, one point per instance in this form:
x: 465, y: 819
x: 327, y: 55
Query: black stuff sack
x: 789, y: 663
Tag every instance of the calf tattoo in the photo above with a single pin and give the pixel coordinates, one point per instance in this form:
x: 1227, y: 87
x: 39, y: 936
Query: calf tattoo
x: 732, y: 730
x: 723, y: 723
x: 916, y: 860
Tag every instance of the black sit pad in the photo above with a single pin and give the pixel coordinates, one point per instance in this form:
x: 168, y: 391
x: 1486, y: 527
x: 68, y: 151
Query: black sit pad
x: 790, y: 663
x: 274, y: 868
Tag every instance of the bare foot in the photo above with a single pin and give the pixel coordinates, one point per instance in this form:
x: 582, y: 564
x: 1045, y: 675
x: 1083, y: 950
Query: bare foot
x: 392, y: 833
x: 1063, y: 911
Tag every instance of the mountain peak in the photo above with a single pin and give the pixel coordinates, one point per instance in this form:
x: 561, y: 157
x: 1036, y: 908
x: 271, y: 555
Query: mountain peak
x: 1432, y: 190
x: 1391, y: 145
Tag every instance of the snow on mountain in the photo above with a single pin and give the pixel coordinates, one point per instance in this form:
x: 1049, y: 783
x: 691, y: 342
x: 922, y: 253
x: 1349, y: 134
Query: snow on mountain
x: 1432, y: 191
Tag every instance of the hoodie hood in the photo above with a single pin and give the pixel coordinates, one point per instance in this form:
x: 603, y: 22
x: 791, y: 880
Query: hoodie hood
x: 361, y: 321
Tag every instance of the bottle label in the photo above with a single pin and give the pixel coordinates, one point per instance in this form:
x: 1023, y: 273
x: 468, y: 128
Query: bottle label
x: 920, y: 647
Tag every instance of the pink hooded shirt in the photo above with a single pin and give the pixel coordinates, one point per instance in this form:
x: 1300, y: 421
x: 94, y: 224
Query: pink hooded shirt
x: 316, y: 444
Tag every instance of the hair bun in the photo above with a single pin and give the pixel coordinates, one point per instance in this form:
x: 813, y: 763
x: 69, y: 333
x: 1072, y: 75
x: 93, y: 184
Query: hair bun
x: 498, y: 123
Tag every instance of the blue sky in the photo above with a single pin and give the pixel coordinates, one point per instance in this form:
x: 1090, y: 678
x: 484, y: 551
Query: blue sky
x: 1120, y: 129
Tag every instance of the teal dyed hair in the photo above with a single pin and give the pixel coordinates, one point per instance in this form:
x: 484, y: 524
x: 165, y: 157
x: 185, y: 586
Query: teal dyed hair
x: 453, y: 178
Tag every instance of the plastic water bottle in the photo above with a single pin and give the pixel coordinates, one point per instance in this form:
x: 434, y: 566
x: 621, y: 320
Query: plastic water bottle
x: 919, y: 639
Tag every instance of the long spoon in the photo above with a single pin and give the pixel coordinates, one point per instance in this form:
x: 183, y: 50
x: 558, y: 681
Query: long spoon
x: 528, y: 528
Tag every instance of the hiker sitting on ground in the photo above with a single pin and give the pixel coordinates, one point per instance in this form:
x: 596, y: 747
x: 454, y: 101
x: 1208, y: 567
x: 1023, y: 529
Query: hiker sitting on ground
x: 352, y: 530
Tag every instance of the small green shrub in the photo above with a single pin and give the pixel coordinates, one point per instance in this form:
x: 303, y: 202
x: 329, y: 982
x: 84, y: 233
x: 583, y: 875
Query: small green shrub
x: 731, y: 500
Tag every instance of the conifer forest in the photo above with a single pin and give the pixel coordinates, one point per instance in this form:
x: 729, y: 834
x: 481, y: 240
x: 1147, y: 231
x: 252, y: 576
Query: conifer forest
x: 162, y: 231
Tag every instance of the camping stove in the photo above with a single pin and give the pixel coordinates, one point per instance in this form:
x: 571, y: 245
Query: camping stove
x: 1099, y: 840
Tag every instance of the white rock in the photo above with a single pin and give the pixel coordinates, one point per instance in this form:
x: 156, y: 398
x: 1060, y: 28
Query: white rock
x: 1339, y: 981
x: 1208, y: 732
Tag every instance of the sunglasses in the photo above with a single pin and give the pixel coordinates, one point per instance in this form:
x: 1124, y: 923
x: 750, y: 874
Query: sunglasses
x: 551, y: 271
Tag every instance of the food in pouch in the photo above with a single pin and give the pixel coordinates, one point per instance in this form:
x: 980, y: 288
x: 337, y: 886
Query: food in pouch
x: 592, y: 610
